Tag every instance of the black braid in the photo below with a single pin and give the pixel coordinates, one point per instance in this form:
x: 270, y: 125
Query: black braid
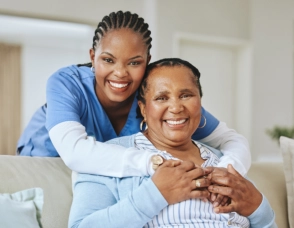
x: 118, y: 20
x: 112, y: 20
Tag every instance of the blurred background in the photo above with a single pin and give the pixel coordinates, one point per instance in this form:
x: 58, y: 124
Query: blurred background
x: 243, y: 49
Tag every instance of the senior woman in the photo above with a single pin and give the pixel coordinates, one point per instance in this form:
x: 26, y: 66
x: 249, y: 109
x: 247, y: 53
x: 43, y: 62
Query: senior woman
x: 170, y: 102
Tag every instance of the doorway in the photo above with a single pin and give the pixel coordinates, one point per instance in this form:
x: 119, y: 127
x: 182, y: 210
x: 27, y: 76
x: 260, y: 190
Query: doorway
x: 225, y: 67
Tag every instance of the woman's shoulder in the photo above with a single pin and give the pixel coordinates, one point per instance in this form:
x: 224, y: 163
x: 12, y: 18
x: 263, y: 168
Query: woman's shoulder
x: 71, y: 76
x: 74, y: 71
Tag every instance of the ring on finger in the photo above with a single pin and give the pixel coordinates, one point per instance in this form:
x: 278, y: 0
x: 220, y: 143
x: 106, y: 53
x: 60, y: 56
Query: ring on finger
x: 197, y: 183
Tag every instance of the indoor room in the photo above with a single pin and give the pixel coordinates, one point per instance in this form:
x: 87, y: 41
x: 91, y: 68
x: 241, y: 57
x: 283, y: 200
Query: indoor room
x: 243, y: 50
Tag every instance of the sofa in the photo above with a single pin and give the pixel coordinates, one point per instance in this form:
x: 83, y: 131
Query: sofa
x: 50, y: 174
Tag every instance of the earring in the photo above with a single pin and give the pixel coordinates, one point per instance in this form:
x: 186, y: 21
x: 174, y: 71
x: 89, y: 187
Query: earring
x: 141, y: 125
x: 93, y: 69
x: 204, y: 122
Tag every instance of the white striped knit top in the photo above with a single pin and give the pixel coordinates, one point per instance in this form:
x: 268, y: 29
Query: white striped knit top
x: 194, y: 212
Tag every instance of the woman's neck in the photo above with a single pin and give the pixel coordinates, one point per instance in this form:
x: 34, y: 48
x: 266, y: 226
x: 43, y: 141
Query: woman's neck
x: 117, y: 112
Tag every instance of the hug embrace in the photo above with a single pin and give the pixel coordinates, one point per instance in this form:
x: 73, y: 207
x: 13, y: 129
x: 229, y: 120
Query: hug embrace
x: 91, y: 121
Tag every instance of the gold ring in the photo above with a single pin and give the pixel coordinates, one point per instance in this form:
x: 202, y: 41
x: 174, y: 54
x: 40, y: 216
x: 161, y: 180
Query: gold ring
x: 198, y: 184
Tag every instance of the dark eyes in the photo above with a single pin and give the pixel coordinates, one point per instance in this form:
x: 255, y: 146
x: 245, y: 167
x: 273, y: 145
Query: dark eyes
x: 161, y: 98
x: 108, y: 60
x: 186, y: 95
x: 134, y: 63
x: 181, y: 97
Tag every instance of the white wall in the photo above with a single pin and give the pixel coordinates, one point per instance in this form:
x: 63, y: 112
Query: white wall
x: 272, y: 94
x: 46, y: 47
x: 225, y: 18
x: 86, y: 11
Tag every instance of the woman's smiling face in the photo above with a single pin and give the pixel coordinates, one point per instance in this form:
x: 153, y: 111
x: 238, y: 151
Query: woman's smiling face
x: 120, y: 60
x: 173, y: 105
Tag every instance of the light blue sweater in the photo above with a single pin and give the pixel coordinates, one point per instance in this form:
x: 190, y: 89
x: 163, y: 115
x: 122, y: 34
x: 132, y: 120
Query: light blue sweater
x: 101, y: 201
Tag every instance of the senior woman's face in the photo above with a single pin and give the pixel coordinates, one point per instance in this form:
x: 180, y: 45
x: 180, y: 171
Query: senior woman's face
x: 173, y: 105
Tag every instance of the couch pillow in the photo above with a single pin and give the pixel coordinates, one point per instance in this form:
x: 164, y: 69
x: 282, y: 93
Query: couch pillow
x: 21, y: 209
x: 287, y: 148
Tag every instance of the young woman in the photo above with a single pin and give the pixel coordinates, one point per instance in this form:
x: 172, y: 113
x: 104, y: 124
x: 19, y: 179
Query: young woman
x: 170, y: 102
x: 89, y: 104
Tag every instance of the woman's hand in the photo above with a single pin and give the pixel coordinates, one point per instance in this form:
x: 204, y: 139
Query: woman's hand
x: 181, y: 180
x: 219, y: 200
x: 245, y: 198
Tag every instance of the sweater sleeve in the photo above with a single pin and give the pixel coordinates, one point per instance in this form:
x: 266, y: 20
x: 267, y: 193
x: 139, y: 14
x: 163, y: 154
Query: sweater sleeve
x: 97, y: 202
x: 263, y: 216
x: 83, y: 154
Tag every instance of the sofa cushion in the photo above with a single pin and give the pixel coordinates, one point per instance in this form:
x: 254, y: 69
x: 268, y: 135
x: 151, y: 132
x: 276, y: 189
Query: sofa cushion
x: 269, y: 179
x: 287, y: 149
x: 21, y: 209
x: 20, y: 172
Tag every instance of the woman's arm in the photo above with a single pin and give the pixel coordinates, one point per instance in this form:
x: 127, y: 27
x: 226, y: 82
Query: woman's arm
x: 84, y: 154
x: 263, y: 216
x: 97, y: 202
x: 133, y: 201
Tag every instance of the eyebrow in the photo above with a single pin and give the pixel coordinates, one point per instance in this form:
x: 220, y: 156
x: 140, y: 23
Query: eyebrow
x: 107, y: 53
x: 162, y: 93
x: 135, y: 57
x: 185, y: 90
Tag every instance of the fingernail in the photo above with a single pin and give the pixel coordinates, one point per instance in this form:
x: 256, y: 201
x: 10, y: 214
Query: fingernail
x: 215, y: 204
x: 213, y: 197
x: 216, y: 210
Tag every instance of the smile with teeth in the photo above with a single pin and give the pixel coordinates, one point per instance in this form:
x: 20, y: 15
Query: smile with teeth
x: 176, y: 122
x: 118, y: 85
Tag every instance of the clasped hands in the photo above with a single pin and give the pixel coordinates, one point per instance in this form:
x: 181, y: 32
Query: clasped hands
x: 226, y: 189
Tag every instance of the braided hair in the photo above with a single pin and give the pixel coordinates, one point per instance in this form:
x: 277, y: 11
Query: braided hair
x: 168, y: 62
x: 119, y: 20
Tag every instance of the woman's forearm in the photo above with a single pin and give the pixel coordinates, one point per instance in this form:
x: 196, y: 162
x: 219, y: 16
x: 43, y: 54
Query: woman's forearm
x: 84, y: 154
x: 263, y: 216
x: 98, y: 203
